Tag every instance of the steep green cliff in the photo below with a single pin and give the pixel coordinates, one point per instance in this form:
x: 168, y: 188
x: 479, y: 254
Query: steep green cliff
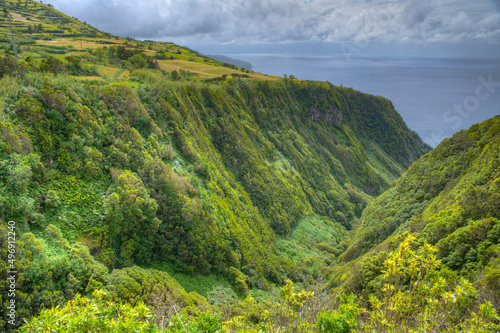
x: 204, y: 175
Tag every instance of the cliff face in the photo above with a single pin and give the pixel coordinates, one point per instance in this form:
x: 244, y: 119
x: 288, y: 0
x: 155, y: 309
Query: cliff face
x: 115, y: 156
x: 207, y: 173
x: 289, y: 149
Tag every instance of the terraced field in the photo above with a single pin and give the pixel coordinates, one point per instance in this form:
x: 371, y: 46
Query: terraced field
x: 41, y: 31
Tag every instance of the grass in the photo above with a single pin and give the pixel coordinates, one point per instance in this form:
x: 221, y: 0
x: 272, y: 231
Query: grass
x: 202, y: 284
x: 19, y: 18
x: 309, y: 239
x: 113, y: 72
x: 205, y: 71
x: 92, y: 78
x: 80, y: 43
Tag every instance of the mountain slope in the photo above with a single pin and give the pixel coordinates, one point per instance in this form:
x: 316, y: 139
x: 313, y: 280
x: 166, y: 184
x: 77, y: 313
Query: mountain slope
x: 450, y: 199
x: 207, y: 150
x: 444, y: 191
x: 108, y: 161
x: 42, y: 31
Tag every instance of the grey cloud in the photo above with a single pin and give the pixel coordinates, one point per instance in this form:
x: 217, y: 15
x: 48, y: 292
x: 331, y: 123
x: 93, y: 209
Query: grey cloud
x: 416, y: 12
x: 291, y: 20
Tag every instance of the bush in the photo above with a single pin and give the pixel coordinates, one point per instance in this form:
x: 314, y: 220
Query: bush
x: 82, y: 315
x: 334, y: 322
x: 343, y: 320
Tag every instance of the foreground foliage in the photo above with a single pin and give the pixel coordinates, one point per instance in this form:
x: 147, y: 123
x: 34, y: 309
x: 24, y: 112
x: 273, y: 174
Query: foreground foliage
x: 417, y: 295
x: 83, y: 315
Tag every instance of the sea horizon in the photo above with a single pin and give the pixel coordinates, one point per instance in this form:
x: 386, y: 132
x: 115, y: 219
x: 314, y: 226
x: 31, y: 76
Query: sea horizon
x: 436, y: 96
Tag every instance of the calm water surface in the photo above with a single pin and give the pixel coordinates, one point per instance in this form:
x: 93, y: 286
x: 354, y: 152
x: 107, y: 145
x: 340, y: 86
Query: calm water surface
x: 436, y: 97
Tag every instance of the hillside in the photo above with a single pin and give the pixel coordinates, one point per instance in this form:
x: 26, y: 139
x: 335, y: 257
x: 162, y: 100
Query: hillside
x: 145, y: 177
x: 450, y: 199
x: 446, y: 191
x: 42, y: 31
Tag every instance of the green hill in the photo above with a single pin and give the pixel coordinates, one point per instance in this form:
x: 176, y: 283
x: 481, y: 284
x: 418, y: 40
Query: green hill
x: 41, y: 32
x: 450, y: 199
x: 443, y: 194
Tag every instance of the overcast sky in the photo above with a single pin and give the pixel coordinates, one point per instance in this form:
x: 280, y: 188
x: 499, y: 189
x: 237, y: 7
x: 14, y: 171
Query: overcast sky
x: 278, y: 22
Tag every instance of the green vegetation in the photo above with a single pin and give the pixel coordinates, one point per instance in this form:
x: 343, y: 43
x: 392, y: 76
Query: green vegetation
x: 41, y: 31
x: 416, y: 295
x: 449, y: 199
x: 156, y: 190
x: 449, y: 192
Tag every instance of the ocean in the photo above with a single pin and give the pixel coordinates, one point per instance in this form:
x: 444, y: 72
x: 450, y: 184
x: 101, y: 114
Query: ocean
x: 435, y: 96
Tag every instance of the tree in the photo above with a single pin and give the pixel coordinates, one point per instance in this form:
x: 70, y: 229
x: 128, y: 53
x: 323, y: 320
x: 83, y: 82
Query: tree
x: 30, y: 29
x: 52, y: 65
x: 39, y: 28
x: 131, y: 214
x: 137, y: 61
x: 8, y: 15
x: 100, y: 53
x: 8, y: 65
